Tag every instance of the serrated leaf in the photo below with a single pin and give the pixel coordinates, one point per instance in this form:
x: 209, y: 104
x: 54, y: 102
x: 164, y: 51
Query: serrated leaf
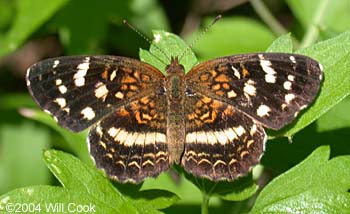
x: 165, y: 46
x: 30, y: 16
x: 84, y: 185
x: 316, y: 185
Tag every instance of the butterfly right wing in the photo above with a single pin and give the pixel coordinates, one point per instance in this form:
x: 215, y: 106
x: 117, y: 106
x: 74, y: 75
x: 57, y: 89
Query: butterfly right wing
x: 269, y: 87
x: 221, y: 142
x: 78, y: 91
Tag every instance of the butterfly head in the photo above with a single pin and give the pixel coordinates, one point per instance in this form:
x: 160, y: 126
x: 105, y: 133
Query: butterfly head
x: 175, y: 66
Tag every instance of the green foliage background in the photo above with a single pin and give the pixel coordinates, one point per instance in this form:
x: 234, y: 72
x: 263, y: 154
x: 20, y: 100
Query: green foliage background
x: 30, y: 171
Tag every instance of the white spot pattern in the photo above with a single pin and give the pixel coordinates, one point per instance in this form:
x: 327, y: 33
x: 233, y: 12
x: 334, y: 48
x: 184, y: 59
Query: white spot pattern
x: 88, y: 113
x: 263, y: 110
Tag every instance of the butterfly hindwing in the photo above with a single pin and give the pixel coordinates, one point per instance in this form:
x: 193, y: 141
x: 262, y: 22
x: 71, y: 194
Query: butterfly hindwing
x: 269, y: 87
x: 78, y: 91
x: 130, y: 144
x: 221, y: 143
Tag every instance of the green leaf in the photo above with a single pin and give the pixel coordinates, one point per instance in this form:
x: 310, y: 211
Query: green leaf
x: 232, y: 35
x: 336, y: 18
x: 7, y: 10
x: 148, y: 14
x: 83, y: 25
x: 164, y: 46
x: 84, y: 185
x: 334, y: 55
x: 30, y: 16
x: 336, y: 118
x: 76, y: 141
x: 20, y: 163
x: 316, y: 185
x: 238, y: 190
x: 282, y: 44
x: 11, y: 101
x: 182, y: 187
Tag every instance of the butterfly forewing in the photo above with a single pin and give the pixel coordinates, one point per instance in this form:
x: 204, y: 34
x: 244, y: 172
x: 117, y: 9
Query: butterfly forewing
x: 269, y: 87
x: 78, y: 91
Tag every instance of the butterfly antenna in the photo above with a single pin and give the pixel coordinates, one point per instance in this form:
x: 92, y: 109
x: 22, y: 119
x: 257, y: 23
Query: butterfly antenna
x: 200, y: 35
x: 148, y: 40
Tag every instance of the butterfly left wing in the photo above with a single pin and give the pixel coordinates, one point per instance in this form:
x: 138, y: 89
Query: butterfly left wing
x: 271, y: 88
x: 221, y: 142
x: 78, y: 91
x: 130, y: 143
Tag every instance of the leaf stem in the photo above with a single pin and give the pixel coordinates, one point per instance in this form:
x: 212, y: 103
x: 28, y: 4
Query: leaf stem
x: 205, y: 203
x: 313, y: 31
x: 267, y: 17
x: 206, y: 197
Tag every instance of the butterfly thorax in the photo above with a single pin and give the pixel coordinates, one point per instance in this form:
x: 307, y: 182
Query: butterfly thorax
x: 175, y: 88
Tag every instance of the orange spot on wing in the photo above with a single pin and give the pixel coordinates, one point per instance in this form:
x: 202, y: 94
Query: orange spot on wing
x: 124, y: 87
x: 220, y: 93
x: 221, y: 68
x: 144, y: 100
x: 139, y: 119
x: 226, y: 86
x: 123, y: 112
x: 212, y: 118
x: 104, y: 74
x: 245, y: 72
x: 216, y: 105
x: 228, y: 111
x: 204, y: 77
x: 133, y: 87
x: 191, y: 116
x: 145, y: 78
x: 213, y: 73
x: 222, y: 78
x: 137, y: 74
x: 206, y: 100
x: 216, y: 87
x: 152, y: 104
x: 128, y: 79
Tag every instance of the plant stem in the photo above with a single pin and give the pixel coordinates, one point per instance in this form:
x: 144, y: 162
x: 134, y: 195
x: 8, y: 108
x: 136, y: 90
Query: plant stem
x: 267, y: 17
x: 205, y: 203
x: 313, y: 31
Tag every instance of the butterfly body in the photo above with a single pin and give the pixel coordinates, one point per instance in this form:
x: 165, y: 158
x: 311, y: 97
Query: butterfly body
x: 210, y: 121
x: 175, y: 92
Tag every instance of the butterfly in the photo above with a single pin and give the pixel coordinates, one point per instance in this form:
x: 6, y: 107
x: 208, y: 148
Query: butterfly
x: 210, y: 121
